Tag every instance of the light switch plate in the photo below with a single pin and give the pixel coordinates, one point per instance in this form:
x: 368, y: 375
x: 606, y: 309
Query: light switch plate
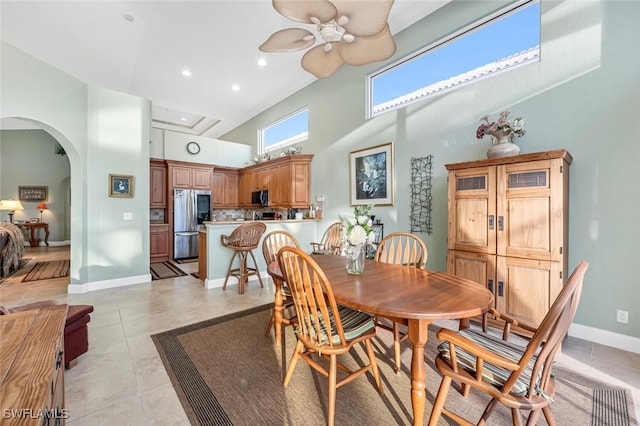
x: 127, y: 216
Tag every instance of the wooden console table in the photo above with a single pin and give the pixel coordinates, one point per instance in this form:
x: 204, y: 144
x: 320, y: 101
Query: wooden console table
x: 33, y: 241
x: 32, y: 367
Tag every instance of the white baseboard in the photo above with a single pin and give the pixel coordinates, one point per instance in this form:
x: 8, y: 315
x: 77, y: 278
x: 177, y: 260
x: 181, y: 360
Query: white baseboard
x: 102, y: 285
x: 219, y: 282
x: 605, y: 337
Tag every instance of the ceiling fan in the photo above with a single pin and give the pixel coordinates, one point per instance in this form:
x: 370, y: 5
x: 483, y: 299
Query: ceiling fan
x: 354, y: 32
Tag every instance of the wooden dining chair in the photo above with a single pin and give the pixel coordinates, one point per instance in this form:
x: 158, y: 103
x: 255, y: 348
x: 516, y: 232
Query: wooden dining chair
x: 519, y: 377
x: 271, y: 244
x: 331, y: 242
x: 324, y: 329
x: 400, y: 248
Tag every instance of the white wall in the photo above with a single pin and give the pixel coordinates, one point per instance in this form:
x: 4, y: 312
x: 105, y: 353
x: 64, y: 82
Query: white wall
x: 170, y: 145
x: 102, y: 132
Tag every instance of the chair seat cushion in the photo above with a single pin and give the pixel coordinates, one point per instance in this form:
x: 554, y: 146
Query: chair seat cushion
x: 354, y: 325
x: 492, y: 374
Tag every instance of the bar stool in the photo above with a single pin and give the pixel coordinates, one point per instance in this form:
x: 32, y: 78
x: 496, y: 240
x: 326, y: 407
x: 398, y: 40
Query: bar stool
x: 243, y: 240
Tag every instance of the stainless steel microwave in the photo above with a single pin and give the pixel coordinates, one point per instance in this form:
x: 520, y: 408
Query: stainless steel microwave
x: 260, y: 197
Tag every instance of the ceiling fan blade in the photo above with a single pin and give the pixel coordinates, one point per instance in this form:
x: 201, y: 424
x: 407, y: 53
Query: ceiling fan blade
x: 320, y: 63
x: 303, y: 10
x: 364, y: 50
x: 366, y: 17
x: 288, y: 40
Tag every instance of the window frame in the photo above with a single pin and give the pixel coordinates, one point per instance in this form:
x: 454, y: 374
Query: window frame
x: 261, y: 149
x: 442, y: 41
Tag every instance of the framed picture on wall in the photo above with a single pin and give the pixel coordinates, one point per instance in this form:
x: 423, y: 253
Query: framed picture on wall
x: 33, y: 193
x: 371, y: 175
x: 120, y: 186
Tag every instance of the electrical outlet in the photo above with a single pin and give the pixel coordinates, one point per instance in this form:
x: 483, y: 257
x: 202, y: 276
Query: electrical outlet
x: 622, y: 316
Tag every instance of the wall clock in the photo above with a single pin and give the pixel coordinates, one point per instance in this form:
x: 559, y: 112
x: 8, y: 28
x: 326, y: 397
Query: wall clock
x: 193, y: 148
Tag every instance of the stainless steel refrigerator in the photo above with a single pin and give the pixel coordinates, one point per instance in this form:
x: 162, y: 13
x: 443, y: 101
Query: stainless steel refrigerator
x: 191, y: 207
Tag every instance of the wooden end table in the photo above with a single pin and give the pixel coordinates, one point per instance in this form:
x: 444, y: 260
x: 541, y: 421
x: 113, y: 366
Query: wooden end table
x: 33, y: 241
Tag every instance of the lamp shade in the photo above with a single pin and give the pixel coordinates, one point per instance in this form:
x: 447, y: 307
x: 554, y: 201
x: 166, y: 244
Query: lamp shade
x: 42, y: 206
x: 11, y: 205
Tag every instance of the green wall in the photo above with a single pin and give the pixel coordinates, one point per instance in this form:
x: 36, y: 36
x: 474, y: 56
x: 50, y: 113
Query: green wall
x: 102, y: 132
x: 582, y: 96
x: 28, y: 158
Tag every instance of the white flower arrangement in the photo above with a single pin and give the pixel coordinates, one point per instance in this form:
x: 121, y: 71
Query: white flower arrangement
x: 358, y: 229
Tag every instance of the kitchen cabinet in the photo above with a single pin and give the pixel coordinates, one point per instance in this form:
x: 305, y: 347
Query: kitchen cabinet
x: 280, y: 188
x: 508, y: 229
x: 224, y: 193
x: 33, y: 365
x: 287, y: 179
x: 189, y: 176
x: 159, y: 242
x: 245, y: 187
x: 158, y: 187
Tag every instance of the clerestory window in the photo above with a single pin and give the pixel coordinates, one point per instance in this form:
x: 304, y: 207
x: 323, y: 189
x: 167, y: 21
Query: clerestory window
x: 289, y: 130
x: 500, y: 42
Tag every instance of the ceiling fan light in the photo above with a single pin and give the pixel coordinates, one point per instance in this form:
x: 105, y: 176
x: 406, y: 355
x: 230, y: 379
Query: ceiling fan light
x: 342, y: 21
x: 329, y: 32
x: 328, y: 47
x: 309, y: 38
x: 348, y: 38
x: 315, y: 20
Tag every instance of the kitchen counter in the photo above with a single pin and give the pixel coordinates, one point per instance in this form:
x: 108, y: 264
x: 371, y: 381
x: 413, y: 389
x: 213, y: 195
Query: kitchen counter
x: 218, y: 257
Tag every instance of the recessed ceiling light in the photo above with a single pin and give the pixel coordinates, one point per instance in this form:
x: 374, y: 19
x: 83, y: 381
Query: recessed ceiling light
x: 235, y: 88
x: 183, y: 119
x: 129, y: 18
x: 262, y: 62
x: 186, y: 73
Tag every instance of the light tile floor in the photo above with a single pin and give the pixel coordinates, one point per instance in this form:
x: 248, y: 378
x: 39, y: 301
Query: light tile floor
x: 121, y: 379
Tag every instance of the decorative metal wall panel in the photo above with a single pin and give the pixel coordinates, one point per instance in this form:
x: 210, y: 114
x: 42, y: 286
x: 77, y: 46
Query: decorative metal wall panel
x: 421, y: 172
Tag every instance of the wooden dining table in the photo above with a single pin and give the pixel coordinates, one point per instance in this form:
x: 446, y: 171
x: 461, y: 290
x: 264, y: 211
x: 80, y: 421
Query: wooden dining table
x: 418, y: 295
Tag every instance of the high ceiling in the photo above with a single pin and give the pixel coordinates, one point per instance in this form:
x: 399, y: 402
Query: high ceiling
x: 142, y: 47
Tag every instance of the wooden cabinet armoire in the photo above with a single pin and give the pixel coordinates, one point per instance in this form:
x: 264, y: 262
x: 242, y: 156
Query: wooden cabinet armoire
x: 508, y: 229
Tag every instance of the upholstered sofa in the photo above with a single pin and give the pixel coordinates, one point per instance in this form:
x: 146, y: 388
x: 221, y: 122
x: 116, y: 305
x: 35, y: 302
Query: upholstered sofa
x: 11, y: 247
x: 76, y: 333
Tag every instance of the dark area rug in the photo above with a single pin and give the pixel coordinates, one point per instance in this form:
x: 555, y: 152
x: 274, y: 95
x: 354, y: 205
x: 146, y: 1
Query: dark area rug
x: 22, y: 262
x: 162, y: 270
x: 225, y: 371
x: 48, y: 270
x: 189, y: 260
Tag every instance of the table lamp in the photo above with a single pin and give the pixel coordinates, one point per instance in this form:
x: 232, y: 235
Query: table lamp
x: 11, y: 206
x: 41, y: 207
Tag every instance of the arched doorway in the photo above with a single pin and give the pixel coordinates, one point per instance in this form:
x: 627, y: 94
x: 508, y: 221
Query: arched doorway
x: 33, y: 154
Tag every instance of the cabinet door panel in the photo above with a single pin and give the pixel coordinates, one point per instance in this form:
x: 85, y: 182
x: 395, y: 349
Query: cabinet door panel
x: 525, y: 210
x: 472, y: 208
x: 528, y: 227
x: 181, y: 177
x: 526, y: 288
x: 230, y: 190
x: 477, y: 267
x: 202, y: 178
x: 159, y: 243
x: 217, y: 189
x: 300, y: 181
x: 158, y: 193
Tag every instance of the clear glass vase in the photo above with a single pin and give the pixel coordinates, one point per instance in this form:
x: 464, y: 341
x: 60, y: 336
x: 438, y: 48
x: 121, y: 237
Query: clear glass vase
x: 355, y: 259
